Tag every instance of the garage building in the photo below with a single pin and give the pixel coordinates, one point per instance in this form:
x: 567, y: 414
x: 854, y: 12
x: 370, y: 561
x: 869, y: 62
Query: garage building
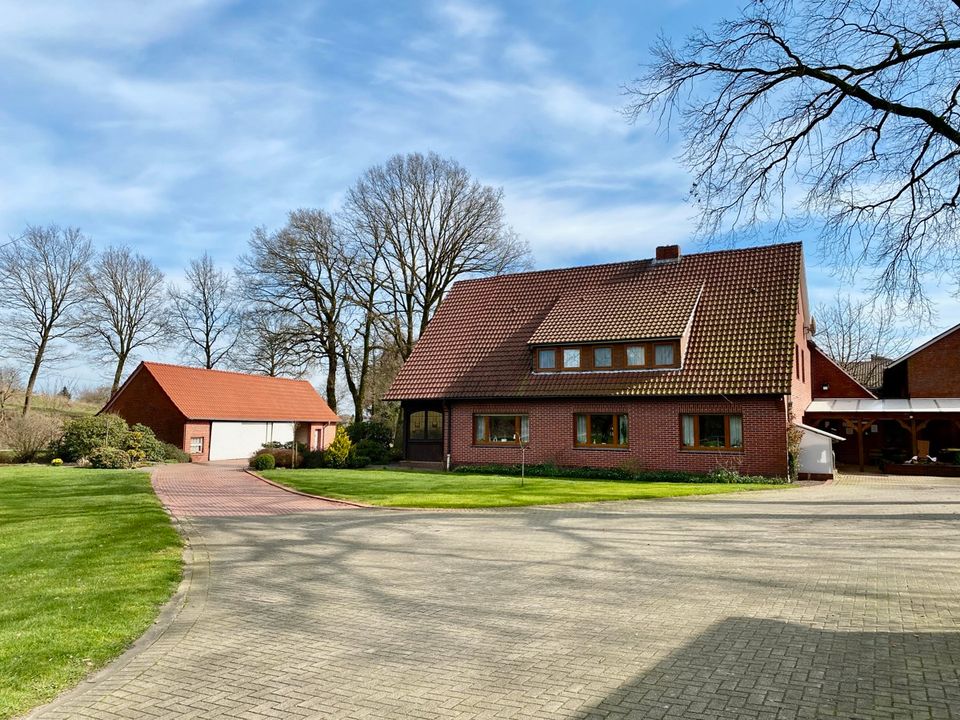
x: 219, y: 415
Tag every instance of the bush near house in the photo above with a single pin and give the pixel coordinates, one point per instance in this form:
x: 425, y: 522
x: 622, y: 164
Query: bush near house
x: 85, y: 436
x: 263, y: 461
x: 174, y: 454
x: 109, y: 458
x: 338, y: 454
x: 373, y: 440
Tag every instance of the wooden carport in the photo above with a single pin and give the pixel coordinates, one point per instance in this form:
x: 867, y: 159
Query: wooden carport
x: 857, y: 415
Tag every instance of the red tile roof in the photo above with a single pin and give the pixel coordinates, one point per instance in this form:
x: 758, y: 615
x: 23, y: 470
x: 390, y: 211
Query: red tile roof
x: 608, y: 310
x: 220, y: 395
x: 868, y: 373
x: 741, y: 341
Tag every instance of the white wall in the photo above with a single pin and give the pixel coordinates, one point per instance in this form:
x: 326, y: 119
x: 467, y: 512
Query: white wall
x: 235, y: 440
x: 816, y: 454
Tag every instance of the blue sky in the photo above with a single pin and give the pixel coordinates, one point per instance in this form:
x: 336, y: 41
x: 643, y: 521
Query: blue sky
x: 179, y: 125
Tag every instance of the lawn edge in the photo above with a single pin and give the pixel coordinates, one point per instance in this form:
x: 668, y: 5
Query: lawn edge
x: 294, y: 491
x: 422, y: 508
x: 192, y: 590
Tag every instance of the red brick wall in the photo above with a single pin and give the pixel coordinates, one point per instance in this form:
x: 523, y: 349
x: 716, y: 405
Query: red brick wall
x: 142, y: 400
x: 800, y: 387
x: 197, y: 429
x: 654, y: 434
x: 841, y: 385
x: 307, y: 433
x: 935, y: 371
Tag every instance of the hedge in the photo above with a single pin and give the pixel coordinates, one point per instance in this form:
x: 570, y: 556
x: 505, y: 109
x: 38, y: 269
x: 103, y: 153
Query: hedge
x: 720, y: 475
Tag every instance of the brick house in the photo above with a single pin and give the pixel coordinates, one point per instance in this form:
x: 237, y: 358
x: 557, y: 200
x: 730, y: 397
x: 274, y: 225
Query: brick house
x: 680, y: 363
x: 218, y: 415
x: 913, y: 413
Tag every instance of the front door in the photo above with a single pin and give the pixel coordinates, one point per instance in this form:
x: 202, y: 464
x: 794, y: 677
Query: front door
x: 424, y: 434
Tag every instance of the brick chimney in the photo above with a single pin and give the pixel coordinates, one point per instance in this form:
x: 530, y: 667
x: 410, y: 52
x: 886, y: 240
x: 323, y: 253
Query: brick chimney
x: 668, y: 253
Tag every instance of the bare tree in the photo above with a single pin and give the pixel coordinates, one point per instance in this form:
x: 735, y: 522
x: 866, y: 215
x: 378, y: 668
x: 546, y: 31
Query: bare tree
x: 124, y: 308
x: 436, y: 224
x: 10, y: 385
x: 840, y: 112
x: 268, y: 347
x: 851, y: 331
x: 365, y: 308
x: 208, y: 312
x: 40, y: 283
x: 298, y: 274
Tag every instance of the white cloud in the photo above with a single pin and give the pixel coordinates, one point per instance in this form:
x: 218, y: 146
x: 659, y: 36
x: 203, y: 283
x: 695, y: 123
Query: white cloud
x: 564, y: 230
x: 112, y: 23
x: 468, y: 19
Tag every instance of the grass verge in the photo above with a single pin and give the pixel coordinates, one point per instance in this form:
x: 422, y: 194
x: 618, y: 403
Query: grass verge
x: 399, y: 488
x: 86, y: 559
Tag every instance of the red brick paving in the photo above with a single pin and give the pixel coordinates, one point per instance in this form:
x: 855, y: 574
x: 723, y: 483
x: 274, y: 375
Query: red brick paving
x: 223, y: 490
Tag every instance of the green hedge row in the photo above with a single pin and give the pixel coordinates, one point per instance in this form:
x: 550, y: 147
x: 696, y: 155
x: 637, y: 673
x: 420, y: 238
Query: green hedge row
x: 720, y: 475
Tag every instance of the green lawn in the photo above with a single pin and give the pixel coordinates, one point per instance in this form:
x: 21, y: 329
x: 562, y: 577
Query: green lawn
x: 86, y: 559
x: 398, y: 488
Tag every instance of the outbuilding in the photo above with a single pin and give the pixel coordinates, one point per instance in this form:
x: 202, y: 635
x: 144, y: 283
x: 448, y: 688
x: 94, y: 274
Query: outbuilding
x: 220, y: 415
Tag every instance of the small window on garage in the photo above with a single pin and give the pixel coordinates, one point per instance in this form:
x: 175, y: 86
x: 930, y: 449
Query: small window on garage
x: 196, y: 445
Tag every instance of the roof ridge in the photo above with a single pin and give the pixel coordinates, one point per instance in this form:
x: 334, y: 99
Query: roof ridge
x: 638, y: 261
x: 223, y: 372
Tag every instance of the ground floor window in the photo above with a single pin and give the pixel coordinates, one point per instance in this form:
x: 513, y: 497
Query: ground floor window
x: 196, y: 445
x: 426, y: 425
x: 711, y: 432
x: 501, y: 429
x: 602, y: 430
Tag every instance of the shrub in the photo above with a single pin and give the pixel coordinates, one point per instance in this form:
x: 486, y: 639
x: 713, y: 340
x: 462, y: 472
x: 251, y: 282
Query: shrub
x: 313, y: 459
x: 142, y: 440
x: 27, y: 436
x: 283, y: 457
x: 263, y: 461
x: 56, y: 462
x: 7, y: 457
x: 108, y: 458
x: 378, y: 453
x: 373, y: 439
x: 356, y: 459
x: 375, y: 431
x: 337, y: 455
x: 625, y: 474
x: 172, y: 452
x: 83, y: 435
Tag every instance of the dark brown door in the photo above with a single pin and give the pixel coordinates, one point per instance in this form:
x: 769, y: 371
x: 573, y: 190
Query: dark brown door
x: 424, y: 435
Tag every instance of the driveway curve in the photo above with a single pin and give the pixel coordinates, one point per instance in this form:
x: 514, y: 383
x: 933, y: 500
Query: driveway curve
x: 840, y: 600
x: 225, y: 489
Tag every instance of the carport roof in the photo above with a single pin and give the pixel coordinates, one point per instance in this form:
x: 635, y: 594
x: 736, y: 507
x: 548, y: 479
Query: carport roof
x: 202, y: 394
x: 851, y: 406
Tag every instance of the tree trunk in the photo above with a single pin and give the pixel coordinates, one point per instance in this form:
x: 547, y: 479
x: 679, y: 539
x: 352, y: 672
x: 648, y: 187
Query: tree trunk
x: 332, y: 381
x: 121, y: 361
x: 34, y: 373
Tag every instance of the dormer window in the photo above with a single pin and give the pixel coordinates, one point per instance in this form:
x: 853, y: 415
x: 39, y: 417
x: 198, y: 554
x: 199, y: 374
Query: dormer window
x: 663, y: 354
x: 604, y: 356
x: 547, y: 359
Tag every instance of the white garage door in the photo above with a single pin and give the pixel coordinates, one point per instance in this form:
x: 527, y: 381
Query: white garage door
x: 234, y: 440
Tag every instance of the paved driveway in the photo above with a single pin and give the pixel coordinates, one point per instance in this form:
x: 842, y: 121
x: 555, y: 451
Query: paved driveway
x: 841, y: 600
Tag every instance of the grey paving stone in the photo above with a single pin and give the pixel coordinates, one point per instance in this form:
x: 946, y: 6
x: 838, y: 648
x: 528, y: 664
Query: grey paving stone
x: 833, y: 601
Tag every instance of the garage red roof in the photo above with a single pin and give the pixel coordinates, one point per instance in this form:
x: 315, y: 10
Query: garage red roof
x: 202, y: 394
x: 743, y: 302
